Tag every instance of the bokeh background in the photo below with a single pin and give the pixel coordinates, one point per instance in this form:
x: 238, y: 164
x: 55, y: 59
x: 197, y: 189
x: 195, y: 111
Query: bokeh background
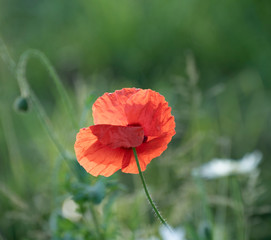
x: 212, y: 62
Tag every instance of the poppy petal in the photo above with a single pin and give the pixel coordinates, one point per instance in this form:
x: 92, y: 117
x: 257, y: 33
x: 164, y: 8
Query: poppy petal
x: 150, y: 110
x: 118, y: 136
x: 154, y: 148
x: 96, y: 158
x: 130, y: 165
x: 109, y: 108
x: 127, y: 158
x: 146, y: 152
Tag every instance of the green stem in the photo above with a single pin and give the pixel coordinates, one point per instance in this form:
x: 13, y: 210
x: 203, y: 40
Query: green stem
x: 49, y: 129
x: 27, y: 92
x: 19, y: 72
x: 47, y: 124
x: 59, y: 86
x: 147, y: 193
x: 6, y: 56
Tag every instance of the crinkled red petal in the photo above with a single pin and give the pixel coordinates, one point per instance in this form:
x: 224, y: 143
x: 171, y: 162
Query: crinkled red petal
x: 146, y: 152
x: 96, y: 158
x: 118, y: 136
x: 109, y: 108
x: 150, y: 110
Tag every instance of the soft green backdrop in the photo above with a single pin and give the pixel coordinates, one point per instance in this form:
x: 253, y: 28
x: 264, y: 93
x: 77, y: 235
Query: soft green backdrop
x: 212, y: 62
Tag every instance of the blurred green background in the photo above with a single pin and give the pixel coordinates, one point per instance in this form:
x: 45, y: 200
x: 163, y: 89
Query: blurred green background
x: 212, y: 62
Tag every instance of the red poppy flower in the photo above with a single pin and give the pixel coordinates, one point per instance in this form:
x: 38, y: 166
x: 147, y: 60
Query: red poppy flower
x: 125, y: 119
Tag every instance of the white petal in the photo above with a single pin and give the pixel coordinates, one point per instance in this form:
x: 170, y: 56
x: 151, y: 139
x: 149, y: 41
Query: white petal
x: 69, y: 210
x: 217, y: 168
x: 175, y: 234
x: 249, y: 162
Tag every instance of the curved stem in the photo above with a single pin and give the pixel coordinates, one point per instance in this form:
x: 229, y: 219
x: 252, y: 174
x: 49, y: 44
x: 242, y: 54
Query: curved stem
x: 147, y: 192
x: 19, y: 72
x: 27, y: 92
x: 41, y: 113
x: 21, y: 69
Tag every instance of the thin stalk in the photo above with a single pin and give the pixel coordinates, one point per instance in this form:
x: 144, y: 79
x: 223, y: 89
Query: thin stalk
x: 47, y: 124
x: 25, y: 90
x: 19, y: 72
x: 147, y: 193
x: 59, y: 86
x: 49, y: 129
x: 6, y: 56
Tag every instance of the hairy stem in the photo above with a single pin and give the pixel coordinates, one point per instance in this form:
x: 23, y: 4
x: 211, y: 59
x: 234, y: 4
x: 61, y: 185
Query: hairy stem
x: 147, y: 192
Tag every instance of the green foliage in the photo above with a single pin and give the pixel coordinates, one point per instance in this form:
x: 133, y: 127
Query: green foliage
x: 86, y: 193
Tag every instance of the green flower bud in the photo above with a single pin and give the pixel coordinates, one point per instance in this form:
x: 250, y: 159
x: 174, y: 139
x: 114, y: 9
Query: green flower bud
x: 21, y: 104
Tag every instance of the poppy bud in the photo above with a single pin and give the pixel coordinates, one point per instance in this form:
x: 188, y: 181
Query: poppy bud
x: 21, y: 104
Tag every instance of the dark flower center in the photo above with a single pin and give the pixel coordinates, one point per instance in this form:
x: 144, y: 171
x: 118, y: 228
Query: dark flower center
x: 145, y: 139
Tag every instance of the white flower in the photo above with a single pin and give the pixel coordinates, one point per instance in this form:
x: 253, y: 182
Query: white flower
x: 174, y: 234
x: 69, y: 210
x: 217, y: 168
